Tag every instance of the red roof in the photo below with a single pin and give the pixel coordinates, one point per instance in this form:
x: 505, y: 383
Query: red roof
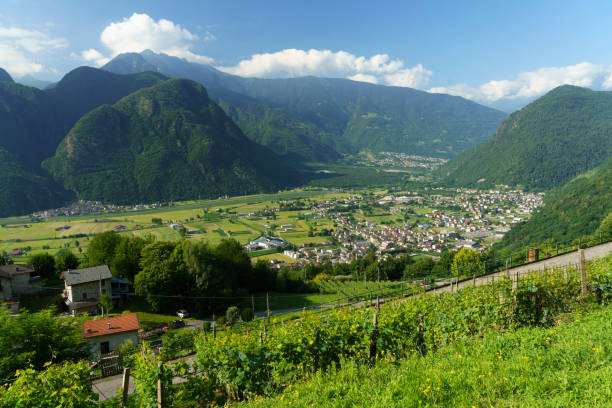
x: 118, y: 324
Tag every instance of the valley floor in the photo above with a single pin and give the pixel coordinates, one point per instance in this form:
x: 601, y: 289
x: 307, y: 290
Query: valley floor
x: 567, y: 365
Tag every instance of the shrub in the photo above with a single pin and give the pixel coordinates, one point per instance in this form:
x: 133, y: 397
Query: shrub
x: 232, y: 315
x: 246, y: 314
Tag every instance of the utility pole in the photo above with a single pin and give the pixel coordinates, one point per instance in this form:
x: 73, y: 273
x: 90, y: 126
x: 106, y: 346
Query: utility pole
x: 378, y: 268
x: 100, y: 296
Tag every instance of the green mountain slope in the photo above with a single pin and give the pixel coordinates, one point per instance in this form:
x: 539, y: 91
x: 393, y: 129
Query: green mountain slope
x: 22, y: 190
x: 339, y: 115
x: 4, y: 76
x: 165, y: 142
x: 573, y: 210
x: 29, y: 80
x: 562, y: 134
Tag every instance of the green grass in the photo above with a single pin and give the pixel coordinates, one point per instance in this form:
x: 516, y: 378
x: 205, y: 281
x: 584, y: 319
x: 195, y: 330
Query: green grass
x: 569, y: 365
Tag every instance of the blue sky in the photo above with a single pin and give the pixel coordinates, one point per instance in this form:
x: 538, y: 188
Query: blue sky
x: 493, y: 52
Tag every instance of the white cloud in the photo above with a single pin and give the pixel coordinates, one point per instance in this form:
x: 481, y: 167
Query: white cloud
x: 91, y: 55
x: 533, y: 84
x: 19, y: 49
x: 415, y: 77
x: 140, y: 32
x: 364, y: 78
x: 294, y: 62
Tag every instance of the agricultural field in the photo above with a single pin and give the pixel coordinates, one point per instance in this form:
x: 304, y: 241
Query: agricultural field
x: 213, y: 220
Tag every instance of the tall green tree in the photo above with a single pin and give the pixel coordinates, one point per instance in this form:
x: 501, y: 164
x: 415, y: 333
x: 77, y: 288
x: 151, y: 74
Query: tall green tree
x: 65, y: 260
x: 125, y: 262
x: 44, y: 265
x: 101, y: 249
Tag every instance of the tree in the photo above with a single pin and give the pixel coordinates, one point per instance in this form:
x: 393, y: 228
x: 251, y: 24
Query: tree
x: 44, y: 265
x: 36, y: 338
x: 126, y: 260
x: 466, y: 262
x: 106, y: 301
x: 65, y: 260
x: 101, y: 249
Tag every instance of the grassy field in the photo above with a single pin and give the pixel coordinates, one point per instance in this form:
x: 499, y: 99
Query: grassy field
x: 568, y: 365
x: 217, y: 219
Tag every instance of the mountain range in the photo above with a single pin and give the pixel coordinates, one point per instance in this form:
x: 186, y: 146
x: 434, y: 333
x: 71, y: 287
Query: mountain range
x: 547, y: 143
x: 165, y: 142
x: 316, y: 119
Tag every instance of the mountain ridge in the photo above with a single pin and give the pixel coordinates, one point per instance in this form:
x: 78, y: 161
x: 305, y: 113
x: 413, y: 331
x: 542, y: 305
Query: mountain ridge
x: 553, y: 139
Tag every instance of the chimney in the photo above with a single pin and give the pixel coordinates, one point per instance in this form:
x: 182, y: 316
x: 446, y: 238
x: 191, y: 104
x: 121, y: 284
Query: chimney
x: 109, y: 326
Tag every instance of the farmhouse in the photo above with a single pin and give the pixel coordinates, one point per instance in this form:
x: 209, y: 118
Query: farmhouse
x: 262, y: 243
x: 83, y: 288
x: 17, y: 280
x: 106, y: 335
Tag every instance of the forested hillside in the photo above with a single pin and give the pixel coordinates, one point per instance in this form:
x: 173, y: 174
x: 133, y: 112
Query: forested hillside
x: 576, y: 209
x: 165, y: 142
x: 559, y: 136
x: 4, y: 76
x: 338, y: 115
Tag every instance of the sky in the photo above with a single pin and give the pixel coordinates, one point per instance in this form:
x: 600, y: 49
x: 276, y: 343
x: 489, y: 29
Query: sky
x: 497, y: 53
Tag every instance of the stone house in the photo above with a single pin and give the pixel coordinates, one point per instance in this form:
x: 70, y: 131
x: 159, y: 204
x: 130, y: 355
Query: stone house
x: 106, y: 335
x: 17, y: 280
x: 83, y: 288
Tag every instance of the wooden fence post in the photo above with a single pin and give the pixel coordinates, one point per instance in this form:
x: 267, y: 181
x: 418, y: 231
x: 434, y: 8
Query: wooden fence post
x: 267, y: 306
x: 160, y: 391
x: 126, y: 386
x: 421, y: 338
x: 315, y: 367
x: 215, y: 331
x: 583, y: 276
x: 474, y: 280
x: 373, y: 337
x: 507, y: 269
x: 565, y: 274
x: 515, y: 279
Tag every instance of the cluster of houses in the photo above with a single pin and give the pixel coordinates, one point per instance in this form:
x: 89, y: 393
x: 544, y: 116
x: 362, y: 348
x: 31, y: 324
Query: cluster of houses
x: 83, y: 289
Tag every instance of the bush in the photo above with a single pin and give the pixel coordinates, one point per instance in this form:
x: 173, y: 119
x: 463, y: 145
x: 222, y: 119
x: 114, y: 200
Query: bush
x: 232, y: 315
x: 221, y: 321
x: 246, y: 314
x: 322, y: 277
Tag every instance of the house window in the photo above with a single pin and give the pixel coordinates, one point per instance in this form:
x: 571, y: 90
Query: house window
x: 104, y: 347
x: 84, y: 295
x: 104, y: 291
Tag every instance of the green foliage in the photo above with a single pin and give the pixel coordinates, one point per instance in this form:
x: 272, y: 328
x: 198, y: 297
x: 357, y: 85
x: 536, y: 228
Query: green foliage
x: 232, y: 315
x: 559, y: 136
x: 246, y: 315
x: 564, y: 366
x: 102, y: 248
x: 165, y: 142
x: 580, y: 207
x: 58, y: 385
x: 467, y: 262
x: 65, y: 259
x: 106, y: 302
x: 32, y: 339
x: 246, y: 367
x: 44, y: 265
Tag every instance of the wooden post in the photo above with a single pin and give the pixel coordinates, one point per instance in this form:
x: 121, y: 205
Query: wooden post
x: 377, y: 303
x: 373, y: 337
x: 583, y: 276
x: 315, y: 367
x: 253, y: 305
x: 126, y: 387
x: 267, y: 306
x: 264, y: 329
x: 215, y: 331
x: 507, y: 269
x: 421, y: 338
x: 474, y: 280
x: 515, y: 279
x: 565, y: 277
x: 160, y: 391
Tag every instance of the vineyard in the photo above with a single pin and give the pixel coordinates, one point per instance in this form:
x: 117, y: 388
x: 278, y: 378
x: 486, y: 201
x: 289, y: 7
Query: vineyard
x: 358, y: 290
x: 258, y: 361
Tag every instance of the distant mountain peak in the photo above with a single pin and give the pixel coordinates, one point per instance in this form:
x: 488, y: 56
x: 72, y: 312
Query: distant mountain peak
x: 4, y: 76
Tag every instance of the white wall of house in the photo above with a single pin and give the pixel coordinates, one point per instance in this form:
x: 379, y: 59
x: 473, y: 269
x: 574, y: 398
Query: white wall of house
x: 114, y: 340
x: 74, y: 293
